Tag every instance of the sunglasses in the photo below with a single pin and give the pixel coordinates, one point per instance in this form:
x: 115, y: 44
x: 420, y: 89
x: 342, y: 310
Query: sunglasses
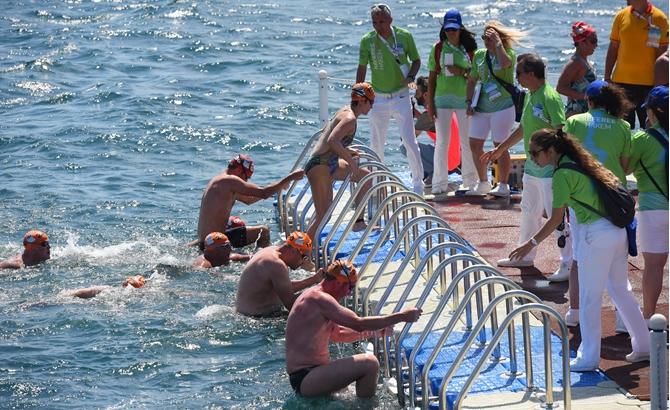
x: 345, y: 269
x: 45, y: 243
x: 534, y: 154
x: 593, y: 40
x: 223, y: 245
x: 380, y: 6
x: 451, y: 30
x: 372, y: 102
x: 518, y: 73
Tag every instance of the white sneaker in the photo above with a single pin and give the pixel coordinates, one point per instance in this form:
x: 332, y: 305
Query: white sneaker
x: 562, y: 274
x: 620, y: 325
x: 637, y: 357
x: 500, y: 190
x: 517, y: 263
x: 572, y: 317
x: 482, y: 188
x: 581, y: 365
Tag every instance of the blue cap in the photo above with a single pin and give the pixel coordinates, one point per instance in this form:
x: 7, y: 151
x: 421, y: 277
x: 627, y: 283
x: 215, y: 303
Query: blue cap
x: 452, y: 19
x: 593, y: 90
x: 658, y: 97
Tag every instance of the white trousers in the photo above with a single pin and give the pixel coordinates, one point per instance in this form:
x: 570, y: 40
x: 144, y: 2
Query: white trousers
x: 603, y: 263
x: 443, y: 132
x: 400, y: 108
x: 536, y: 199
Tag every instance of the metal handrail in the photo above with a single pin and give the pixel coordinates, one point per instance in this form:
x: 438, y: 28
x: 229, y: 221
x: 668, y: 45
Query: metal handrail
x: 517, y: 293
x: 546, y: 312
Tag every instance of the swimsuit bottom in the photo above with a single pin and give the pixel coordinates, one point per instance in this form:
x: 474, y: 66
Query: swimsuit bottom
x: 236, y: 236
x: 296, y: 378
x: 328, y: 158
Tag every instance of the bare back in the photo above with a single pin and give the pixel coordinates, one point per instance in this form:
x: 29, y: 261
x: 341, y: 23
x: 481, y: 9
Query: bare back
x: 308, y: 331
x: 217, y: 202
x: 256, y: 294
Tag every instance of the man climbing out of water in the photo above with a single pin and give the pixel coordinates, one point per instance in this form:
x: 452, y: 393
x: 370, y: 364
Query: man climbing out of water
x: 220, y: 196
x: 217, y: 252
x: 36, y: 249
x: 316, y: 317
x: 93, y: 291
x: 265, y: 284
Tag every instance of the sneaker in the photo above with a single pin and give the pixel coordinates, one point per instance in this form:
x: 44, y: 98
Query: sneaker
x: 562, y: 274
x: 517, y: 263
x: 482, y: 188
x: 428, y: 180
x: 572, y: 317
x: 581, y: 365
x: 620, y: 325
x: 637, y: 357
x: 501, y: 190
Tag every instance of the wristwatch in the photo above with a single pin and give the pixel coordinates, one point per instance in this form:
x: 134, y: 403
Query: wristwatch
x: 533, y: 241
x: 499, y: 44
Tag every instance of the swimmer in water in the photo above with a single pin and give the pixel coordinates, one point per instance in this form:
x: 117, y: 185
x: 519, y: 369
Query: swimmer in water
x: 93, y: 291
x: 217, y: 252
x: 36, y: 249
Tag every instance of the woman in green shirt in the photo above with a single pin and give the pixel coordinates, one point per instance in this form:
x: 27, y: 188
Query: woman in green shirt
x: 603, y: 247
x: 649, y: 164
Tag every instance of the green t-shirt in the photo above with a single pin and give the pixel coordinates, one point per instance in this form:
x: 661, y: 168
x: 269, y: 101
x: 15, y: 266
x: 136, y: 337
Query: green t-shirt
x: 605, y: 136
x: 568, y: 185
x: 542, y: 109
x: 450, y: 89
x: 645, y: 148
x: 481, y: 69
x: 386, y: 75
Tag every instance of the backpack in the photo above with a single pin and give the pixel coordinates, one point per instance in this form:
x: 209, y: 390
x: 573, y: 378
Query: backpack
x: 619, y: 203
x: 664, y: 143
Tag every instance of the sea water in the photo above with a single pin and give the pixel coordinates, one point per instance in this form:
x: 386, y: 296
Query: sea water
x: 115, y: 115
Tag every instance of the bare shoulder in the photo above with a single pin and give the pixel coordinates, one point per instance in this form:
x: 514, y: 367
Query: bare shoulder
x: 267, y: 259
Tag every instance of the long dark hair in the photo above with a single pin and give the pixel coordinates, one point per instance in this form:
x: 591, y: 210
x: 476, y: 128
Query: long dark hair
x: 565, y: 144
x: 466, y: 38
x: 614, y: 101
x: 661, y: 114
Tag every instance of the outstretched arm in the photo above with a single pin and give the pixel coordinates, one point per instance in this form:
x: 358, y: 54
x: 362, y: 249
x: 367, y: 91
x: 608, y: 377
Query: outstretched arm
x: 547, y: 229
x: 249, y: 193
x: 495, y: 153
x: 14, y: 263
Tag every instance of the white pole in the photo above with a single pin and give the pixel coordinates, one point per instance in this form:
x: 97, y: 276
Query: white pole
x: 323, y: 98
x: 658, y: 371
x: 545, y: 60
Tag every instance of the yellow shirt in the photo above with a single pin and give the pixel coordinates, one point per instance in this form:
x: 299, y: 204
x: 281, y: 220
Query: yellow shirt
x: 635, y: 60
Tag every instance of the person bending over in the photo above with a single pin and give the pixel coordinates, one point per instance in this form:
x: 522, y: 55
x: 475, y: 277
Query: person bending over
x: 317, y: 317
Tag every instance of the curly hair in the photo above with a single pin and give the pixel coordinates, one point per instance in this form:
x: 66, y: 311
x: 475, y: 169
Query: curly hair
x: 509, y: 35
x: 566, y: 144
x: 614, y: 101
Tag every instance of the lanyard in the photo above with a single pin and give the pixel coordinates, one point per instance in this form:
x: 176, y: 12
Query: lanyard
x: 641, y: 17
x: 466, y: 56
x: 494, y: 59
x: 394, y: 49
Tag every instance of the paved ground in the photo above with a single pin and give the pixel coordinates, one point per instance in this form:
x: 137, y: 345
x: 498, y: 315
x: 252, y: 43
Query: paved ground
x: 492, y: 227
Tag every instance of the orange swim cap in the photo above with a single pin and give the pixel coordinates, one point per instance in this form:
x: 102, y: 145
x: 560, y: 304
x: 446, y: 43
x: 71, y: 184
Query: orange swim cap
x: 343, y: 270
x: 300, y: 241
x: 362, y: 92
x: 34, y: 238
x: 216, y: 240
x: 244, y: 162
x: 135, y: 281
x: 235, y: 222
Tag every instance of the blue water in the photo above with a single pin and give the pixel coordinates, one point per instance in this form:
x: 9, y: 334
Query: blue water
x: 115, y: 115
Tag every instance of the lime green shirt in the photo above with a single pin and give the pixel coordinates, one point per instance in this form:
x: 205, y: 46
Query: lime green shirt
x: 568, y: 185
x: 480, y: 69
x: 605, y: 136
x: 449, y: 89
x: 386, y: 75
x: 542, y: 109
x: 648, y: 151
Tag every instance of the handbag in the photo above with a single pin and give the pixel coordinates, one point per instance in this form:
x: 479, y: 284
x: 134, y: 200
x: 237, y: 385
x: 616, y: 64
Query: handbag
x: 517, y: 92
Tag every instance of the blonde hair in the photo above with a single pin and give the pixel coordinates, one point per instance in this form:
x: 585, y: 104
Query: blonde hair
x: 509, y: 35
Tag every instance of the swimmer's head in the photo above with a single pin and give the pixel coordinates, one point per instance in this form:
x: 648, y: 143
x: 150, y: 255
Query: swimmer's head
x: 244, y: 163
x: 135, y: 281
x: 302, y: 242
x: 658, y: 97
x: 235, y: 222
x: 362, y: 92
x: 343, y: 271
x: 581, y: 31
x: 34, y: 239
x: 216, y: 240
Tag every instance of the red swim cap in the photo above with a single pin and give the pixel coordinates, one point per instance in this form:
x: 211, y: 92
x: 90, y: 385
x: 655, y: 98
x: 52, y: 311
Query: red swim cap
x: 235, y: 222
x: 245, y: 163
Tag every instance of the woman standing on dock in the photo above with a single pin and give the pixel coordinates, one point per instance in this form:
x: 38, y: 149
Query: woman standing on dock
x: 331, y: 160
x: 649, y: 162
x: 603, y: 247
x: 578, y: 72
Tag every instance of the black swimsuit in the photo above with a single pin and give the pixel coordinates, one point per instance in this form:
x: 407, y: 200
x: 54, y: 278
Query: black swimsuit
x: 296, y: 378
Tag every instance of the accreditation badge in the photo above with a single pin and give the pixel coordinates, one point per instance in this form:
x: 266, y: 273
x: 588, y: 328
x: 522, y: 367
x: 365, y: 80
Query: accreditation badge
x: 492, y: 91
x: 654, y: 37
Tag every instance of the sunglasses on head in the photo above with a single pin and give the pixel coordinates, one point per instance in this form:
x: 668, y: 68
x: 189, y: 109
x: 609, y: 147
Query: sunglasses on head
x: 380, y: 6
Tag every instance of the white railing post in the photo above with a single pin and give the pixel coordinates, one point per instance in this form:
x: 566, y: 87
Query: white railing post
x: 658, y: 371
x: 323, y: 98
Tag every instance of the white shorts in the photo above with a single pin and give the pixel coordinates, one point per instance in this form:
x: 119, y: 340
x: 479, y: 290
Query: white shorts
x: 498, y: 123
x: 652, y: 229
